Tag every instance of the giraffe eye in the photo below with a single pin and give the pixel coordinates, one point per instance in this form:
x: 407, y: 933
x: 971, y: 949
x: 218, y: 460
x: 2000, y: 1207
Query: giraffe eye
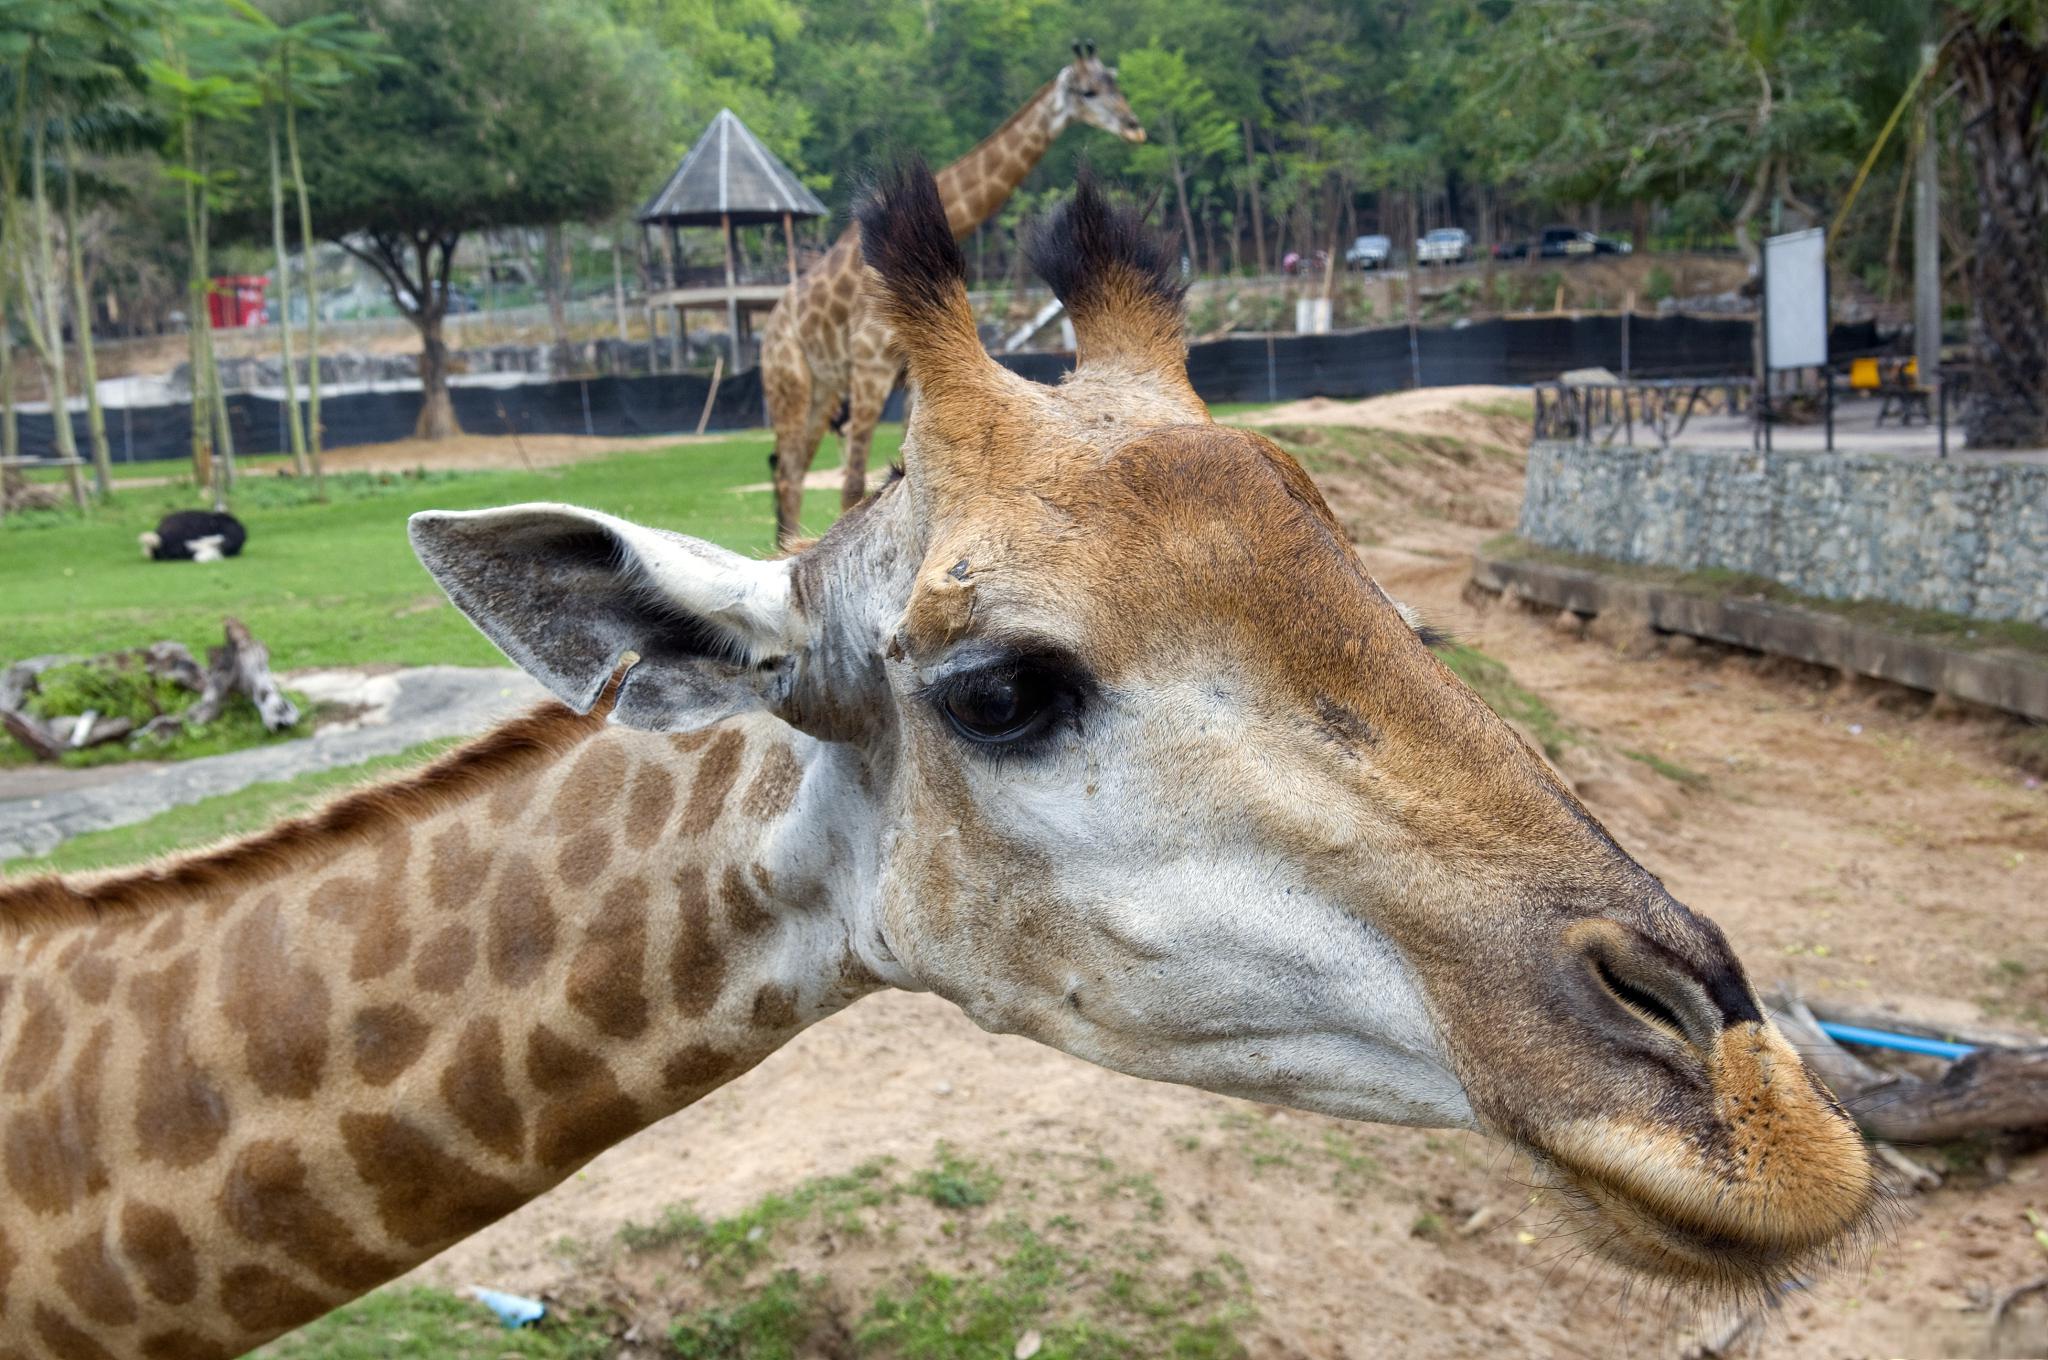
x: 1013, y: 704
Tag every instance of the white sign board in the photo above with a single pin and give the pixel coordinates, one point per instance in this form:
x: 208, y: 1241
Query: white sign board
x: 1796, y: 299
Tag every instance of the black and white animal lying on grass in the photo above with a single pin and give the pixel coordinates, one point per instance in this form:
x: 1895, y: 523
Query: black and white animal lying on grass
x: 194, y: 535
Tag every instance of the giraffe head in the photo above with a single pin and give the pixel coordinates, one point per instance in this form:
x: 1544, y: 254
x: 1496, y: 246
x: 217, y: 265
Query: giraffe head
x: 1086, y: 92
x: 1136, y: 759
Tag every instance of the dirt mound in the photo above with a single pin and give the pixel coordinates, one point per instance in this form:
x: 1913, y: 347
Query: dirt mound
x: 1394, y: 466
x: 1494, y: 417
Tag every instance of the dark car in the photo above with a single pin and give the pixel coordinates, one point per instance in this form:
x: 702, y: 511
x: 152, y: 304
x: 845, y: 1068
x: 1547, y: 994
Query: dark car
x: 1558, y: 243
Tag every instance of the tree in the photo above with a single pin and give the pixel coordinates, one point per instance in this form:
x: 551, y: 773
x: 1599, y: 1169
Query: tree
x: 497, y: 115
x: 1754, y: 99
x: 73, y: 81
x: 1998, y: 50
x: 203, y: 79
x: 1187, y: 131
x: 302, y: 65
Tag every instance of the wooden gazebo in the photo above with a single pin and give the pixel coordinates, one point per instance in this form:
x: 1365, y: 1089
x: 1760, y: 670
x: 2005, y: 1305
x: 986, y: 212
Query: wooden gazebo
x: 728, y: 180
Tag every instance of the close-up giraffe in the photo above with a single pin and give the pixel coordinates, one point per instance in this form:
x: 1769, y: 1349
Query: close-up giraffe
x: 821, y: 351
x: 1092, y: 722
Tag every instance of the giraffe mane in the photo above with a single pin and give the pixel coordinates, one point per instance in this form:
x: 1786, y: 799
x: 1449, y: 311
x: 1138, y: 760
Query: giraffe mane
x: 50, y: 902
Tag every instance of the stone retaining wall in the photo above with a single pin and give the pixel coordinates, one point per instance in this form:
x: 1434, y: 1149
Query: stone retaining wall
x: 1962, y: 535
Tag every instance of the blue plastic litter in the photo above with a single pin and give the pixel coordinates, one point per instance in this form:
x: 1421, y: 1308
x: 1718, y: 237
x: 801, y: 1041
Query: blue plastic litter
x: 514, y: 1310
x: 1904, y: 1043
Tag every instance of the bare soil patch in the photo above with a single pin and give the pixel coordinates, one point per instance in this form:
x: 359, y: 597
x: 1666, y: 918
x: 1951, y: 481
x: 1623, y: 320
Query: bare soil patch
x: 1850, y: 839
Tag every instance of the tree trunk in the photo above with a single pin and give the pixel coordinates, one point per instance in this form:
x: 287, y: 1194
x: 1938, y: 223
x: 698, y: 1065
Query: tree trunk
x: 2004, y: 78
x: 11, y: 480
x: 81, y: 321
x: 51, y: 339
x: 196, y: 317
x: 223, y: 433
x: 1486, y: 240
x: 312, y: 283
x: 1237, y: 235
x: 1251, y: 166
x: 619, y: 281
x: 437, y: 409
x: 1187, y: 219
x: 554, y: 278
x: 294, y: 430
x: 1752, y: 253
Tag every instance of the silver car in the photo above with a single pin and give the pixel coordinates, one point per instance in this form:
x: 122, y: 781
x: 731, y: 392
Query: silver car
x: 1369, y: 252
x: 1445, y: 245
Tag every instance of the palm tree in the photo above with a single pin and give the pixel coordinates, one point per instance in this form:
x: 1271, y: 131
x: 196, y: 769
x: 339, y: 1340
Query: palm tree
x: 1998, y: 50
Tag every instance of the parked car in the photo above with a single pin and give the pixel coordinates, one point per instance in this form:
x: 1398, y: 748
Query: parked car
x: 1370, y: 252
x: 1445, y: 245
x: 1560, y: 243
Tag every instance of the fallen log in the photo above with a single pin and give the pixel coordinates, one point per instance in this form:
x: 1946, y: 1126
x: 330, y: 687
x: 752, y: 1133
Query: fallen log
x: 242, y: 667
x: 1989, y: 1091
x: 33, y: 736
x: 89, y: 729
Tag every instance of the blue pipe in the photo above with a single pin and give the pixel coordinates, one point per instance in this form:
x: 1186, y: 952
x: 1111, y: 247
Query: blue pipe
x: 1904, y: 1043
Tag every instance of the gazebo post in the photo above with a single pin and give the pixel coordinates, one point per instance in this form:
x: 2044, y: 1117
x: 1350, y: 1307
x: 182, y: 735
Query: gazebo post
x: 675, y: 274
x: 732, y: 294
x: 647, y: 298
x: 789, y: 244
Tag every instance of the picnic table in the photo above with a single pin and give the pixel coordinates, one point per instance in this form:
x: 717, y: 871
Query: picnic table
x: 1580, y: 401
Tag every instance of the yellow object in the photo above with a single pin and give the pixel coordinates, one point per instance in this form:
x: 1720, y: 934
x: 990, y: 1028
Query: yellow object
x: 1912, y: 370
x: 1863, y: 375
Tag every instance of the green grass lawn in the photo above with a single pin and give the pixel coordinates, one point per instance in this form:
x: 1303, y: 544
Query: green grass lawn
x: 336, y: 584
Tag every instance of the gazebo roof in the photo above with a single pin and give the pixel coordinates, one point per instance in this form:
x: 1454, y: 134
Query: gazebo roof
x: 729, y: 173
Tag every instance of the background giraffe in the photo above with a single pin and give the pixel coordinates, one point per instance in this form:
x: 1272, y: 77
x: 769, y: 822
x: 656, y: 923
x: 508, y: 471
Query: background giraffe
x: 819, y: 350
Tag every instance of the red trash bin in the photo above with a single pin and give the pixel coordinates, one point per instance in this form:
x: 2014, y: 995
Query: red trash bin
x: 236, y: 300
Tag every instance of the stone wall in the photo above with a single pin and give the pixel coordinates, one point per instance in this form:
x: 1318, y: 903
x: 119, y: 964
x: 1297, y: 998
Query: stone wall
x: 1962, y: 535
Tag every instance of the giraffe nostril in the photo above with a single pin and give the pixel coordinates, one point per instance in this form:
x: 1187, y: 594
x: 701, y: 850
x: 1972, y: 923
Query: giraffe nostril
x: 1646, y: 1004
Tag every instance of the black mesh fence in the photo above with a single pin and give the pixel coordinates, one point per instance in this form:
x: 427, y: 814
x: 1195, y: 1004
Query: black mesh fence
x: 1249, y: 368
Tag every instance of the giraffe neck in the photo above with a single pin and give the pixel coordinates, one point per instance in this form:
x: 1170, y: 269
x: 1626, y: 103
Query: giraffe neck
x: 975, y: 187
x: 311, y: 1062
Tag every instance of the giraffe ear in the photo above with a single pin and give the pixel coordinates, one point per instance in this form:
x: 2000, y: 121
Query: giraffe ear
x: 568, y: 594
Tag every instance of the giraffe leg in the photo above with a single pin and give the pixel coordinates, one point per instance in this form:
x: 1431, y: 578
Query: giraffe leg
x: 792, y: 408
x: 874, y: 377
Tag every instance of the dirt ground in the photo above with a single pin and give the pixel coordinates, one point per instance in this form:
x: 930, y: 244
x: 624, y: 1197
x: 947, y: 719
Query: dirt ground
x: 1856, y: 841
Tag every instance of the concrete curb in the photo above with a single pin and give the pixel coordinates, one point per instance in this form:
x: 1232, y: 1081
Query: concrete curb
x: 1997, y: 680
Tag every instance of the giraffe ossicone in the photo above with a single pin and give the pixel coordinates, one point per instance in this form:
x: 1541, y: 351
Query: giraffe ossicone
x: 1092, y: 723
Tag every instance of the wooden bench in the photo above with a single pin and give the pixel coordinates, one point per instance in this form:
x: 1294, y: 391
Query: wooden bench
x: 1897, y: 386
x: 74, y: 469
x: 1904, y: 400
